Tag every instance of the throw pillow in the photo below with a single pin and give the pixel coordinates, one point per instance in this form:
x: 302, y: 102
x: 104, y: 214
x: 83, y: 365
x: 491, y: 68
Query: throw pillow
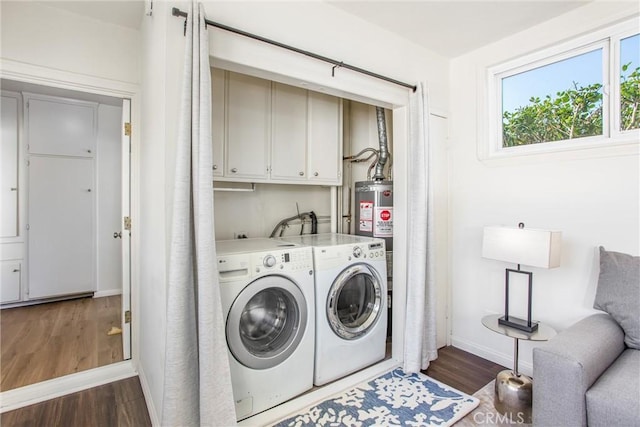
x: 618, y: 292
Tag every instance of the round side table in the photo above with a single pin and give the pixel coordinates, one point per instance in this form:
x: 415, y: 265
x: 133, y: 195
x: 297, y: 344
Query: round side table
x: 513, y: 390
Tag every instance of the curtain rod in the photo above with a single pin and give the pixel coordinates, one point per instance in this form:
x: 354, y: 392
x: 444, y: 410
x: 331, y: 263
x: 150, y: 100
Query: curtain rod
x: 336, y: 64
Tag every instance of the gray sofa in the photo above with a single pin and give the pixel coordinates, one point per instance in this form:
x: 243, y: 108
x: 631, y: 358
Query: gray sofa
x: 589, y: 374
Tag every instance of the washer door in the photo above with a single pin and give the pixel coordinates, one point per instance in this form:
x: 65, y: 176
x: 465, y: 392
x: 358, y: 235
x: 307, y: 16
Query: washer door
x: 266, y: 322
x: 354, y: 303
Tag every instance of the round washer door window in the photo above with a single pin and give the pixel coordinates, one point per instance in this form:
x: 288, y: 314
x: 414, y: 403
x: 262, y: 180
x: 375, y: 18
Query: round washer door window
x: 266, y: 322
x: 354, y: 303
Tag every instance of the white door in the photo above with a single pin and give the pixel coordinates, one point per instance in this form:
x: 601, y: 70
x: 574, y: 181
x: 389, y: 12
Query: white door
x: 9, y: 171
x: 61, y: 226
x: 125, y: 231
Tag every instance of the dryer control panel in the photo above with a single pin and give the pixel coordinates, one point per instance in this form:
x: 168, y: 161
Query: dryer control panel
x: 330, y: 255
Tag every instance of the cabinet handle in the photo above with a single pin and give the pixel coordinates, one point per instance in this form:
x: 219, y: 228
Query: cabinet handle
x: 117, y: 235
x: 234, y: 170
x: 14, y: 189
x: 89, y: 151
x: 215, y: 167
x: 315, y: 174
x: 88, y: 190
x: 16, y: 270
x: 301, y: 173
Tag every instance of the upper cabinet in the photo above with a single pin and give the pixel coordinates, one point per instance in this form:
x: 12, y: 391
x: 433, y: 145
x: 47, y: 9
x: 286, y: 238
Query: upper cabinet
x: 289, y: 134
x: 325, y: 138
x: 218, y: 97
x: 59, y: 127
x: 275, y: 133
x: 248, y: 128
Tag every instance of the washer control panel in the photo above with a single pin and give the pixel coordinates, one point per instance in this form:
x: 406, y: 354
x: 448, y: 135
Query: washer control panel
x: 286, y: 260
x: 236, y: 266
x: 357, y: 251
x: 269, y: 261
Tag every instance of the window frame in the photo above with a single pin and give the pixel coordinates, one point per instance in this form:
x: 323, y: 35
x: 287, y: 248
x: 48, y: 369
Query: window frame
x: 607, y: 39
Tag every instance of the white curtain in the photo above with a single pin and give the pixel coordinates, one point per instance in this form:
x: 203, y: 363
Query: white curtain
x: 197, y: 381
x: 420, y: 327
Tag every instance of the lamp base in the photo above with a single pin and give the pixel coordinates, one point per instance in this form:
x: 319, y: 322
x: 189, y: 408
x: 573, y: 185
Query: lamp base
x: 521, y: 324
x: 513, y: 395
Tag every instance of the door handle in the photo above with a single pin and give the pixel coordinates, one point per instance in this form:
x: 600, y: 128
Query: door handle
x: 117, y: 235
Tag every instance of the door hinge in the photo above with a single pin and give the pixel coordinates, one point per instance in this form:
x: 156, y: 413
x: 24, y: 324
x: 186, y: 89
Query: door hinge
x: 127, y: 316
x: 127, y: 223
x: 127, y: 129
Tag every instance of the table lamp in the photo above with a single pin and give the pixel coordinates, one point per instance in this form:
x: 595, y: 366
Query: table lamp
x: 519, y: 245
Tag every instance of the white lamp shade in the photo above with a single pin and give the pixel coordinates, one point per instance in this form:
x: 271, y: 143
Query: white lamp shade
x: 526, y: 246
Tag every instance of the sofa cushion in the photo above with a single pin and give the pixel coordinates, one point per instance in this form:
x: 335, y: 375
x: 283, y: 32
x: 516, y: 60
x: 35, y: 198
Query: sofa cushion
x: 618, y: 292
x: 613, y: 399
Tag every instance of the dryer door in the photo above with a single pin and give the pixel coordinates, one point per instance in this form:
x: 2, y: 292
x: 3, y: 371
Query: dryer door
x: 266, y: 322
x: 354, y: 303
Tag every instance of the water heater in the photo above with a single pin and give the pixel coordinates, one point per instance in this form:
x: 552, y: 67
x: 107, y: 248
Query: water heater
x: 374, y: 210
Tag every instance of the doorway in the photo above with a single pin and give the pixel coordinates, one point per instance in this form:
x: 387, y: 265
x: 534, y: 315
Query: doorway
x: 44, y: 246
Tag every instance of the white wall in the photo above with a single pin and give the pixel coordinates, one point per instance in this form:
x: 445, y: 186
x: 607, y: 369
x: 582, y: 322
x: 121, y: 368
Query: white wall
x: 153, y: 204
x: 314, y: 26
x: 592, y: 199
x: 257, y: 213
x: 37, y: 34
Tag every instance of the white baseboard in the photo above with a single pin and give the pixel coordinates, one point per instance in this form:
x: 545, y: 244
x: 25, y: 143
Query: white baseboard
x: 51, y: 389
x: 503, y: 359
x: 107, y: 293
x: 151, y: 408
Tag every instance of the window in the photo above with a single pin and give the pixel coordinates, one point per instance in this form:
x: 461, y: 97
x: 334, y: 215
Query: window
x: 554, y: 102
x: 630, y: 83
x: 581, y: 94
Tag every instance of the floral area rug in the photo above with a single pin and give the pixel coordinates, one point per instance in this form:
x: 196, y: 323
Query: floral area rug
x: 393, y: 399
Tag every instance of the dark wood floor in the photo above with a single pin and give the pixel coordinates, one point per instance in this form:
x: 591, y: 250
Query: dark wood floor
x: 118, y: 404
x: 122, y: 403
x: 462, y: 370
x: 46, y: 341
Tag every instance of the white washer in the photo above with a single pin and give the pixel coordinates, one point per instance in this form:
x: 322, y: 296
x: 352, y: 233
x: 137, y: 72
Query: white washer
x: 351, y: 302
x: 267, y: 293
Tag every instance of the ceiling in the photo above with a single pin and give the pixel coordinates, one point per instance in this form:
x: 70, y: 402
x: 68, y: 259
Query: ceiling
x: 447, y: 27
x: 452, y: 28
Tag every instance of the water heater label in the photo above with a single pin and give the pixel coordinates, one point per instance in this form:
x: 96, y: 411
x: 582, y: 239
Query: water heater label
x: 383, y: 221
x: 366, y: 216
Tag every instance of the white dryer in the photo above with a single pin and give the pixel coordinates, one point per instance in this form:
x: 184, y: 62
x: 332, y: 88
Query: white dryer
x: 351, y: 302
x: 267, y: 293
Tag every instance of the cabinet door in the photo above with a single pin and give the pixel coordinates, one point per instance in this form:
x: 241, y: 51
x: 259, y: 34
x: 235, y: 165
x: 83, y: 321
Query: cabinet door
x: 9, y: 172
x: 60, y: 127
x: 248, y: 117
x: 217, y: 123
x: 289, y: 141
x: 325, y: 139
x: 61, y: 226
x: 10, y: 281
